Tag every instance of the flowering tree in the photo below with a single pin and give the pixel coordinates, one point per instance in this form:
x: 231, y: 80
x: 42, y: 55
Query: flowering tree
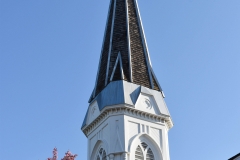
x: 68, y: 155
x: 54, y: 154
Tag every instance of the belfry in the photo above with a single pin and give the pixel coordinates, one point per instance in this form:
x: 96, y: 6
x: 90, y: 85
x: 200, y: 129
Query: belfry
x: 127, y: 118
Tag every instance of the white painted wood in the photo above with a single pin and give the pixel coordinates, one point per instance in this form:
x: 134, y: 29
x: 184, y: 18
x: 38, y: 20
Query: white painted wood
x: 110, y: 43
x: 118, y: 60
x: 144, y: 43
x: 129, y: 43
x: 93, y: 113
x: 156, y: 134
x: 121, y: 133
x: 143, y: 34
x: 134, y: 129
x: 147, y: 103
x: 124, y: 115
x: 104, y: 37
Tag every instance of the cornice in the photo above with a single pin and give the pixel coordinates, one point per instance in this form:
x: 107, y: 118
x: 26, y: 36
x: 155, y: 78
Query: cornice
x: 125, y: 110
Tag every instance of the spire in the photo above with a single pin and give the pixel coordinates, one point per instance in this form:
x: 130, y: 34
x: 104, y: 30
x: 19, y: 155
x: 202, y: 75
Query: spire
x: 124, y: 54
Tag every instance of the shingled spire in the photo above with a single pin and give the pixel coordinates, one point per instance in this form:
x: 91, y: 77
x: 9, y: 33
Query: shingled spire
x: 124, y: 54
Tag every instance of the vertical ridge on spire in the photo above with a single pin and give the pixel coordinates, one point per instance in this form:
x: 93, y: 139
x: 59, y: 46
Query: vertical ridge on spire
x: 124, y: 34
x: 139, y: 60
x: 119, y: 39
x: 102, y: 68
x: 118, y: 69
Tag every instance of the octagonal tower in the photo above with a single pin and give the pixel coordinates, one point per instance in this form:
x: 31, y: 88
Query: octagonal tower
x: 127, y: 118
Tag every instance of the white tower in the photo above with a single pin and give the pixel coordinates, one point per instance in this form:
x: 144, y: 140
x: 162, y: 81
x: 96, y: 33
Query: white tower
x: 127, y: 118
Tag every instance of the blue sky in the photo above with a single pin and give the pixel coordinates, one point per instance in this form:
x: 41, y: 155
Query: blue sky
x: 49, y: 53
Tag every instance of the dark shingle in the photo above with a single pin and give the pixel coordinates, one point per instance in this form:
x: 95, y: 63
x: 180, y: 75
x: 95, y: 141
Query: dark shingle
x: 134, y: 55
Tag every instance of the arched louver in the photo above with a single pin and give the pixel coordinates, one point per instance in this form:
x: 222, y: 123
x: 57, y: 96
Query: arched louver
x: 139, y: 154
x: 149, y: 155
x: 144, y: 145
x: 144, y: 151
x: 102, y: 155
x: 98, y: 158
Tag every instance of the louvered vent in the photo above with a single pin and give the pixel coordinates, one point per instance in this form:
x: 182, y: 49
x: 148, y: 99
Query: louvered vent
x: 139, y: 154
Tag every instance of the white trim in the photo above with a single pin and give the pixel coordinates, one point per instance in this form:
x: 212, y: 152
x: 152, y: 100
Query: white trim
x: 144, y: 44
x: 91, y: 117
x: 121, y: 66
x: 155, y: 109
x: 144, y: 35
x: 126, y: 110
x: 144, y: 151
x: 153, y: 74
x: 110, y: 43
x: 142, y: 137
x: 98, y: 145
x: 114, y: 68
x: 119, y: 59
x: 129, y: 43
x: 104, y: 37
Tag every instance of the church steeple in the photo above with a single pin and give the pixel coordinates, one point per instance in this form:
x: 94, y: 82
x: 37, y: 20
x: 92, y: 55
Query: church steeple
x: 127, y: 117
x: 124, y: 54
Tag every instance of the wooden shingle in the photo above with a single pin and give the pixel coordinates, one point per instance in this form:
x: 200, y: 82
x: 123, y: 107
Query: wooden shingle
x: 124, y: 35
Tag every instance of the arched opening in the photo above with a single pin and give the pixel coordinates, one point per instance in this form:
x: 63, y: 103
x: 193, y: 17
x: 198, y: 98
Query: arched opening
x: 144, y: 152
x: 139, y: 154
x: 149, y: 155
x: 100, y: 151
x: 101, y: 155
x: 143, y: 147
